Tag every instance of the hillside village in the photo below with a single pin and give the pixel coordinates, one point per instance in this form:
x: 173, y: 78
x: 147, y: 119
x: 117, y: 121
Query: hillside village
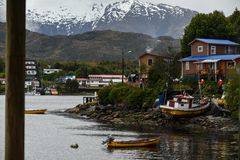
x: 210, y: 60
x: 119, y: 93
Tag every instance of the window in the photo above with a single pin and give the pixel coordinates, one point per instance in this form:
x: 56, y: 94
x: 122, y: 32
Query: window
x: 213, y: 49
x: 212, y: 66
x: 150, y: 61
x: 187, y: 66
x: 226, y: 49
x: 230, y: 50
x: 30, y: 67
x: 200, y: 48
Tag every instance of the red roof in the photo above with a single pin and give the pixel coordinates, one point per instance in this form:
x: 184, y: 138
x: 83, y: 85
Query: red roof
x: 104, y: 75
x: 81, y: 79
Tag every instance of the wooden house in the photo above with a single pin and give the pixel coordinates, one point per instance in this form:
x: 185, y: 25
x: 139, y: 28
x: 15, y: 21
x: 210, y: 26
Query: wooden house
x: 146, y: 60
x: 210, y: 58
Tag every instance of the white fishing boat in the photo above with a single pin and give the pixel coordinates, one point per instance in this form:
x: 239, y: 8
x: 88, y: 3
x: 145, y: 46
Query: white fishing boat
x: 185, y: 106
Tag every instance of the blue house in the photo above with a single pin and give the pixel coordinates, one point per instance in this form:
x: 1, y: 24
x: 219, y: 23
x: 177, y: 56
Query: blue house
x: 210, y: 58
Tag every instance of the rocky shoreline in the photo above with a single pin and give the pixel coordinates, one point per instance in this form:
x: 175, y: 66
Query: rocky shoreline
x: 153, y: 119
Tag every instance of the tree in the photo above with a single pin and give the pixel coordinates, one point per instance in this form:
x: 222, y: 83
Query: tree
x: 2, y: 65
x: 234, y: 25
x: 213, y: 25
x: 233, y: 91
x: 158, y: 71
x: 71, y: 86
x: 58, y: 65
x: 175, y: 66
x: 103, y: 95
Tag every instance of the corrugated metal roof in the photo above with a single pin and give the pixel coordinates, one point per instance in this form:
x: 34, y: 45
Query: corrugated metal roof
x: 215, y: 41
x: 214, y: 57
x: 208, y: 61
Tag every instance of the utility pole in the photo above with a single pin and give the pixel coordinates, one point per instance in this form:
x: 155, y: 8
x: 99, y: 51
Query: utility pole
x: 15, y: 75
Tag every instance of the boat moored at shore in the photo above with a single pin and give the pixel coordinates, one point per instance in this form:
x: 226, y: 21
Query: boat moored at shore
x: 185, y: 106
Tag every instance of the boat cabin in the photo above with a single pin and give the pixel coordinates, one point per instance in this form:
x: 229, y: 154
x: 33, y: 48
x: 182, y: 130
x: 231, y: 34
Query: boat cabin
x: 181, y: 101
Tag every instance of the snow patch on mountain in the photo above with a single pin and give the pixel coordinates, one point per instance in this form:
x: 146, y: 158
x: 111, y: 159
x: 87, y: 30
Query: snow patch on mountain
x: 62, y: 15
x: 95, y: 13
x: 117, y: 10
x: 125, y: 15
x: 2, y: 11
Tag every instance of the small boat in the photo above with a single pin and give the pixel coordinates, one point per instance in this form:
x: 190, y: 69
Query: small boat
x: 35, y: 111
x: 184, y: 106
x: 145, y: 142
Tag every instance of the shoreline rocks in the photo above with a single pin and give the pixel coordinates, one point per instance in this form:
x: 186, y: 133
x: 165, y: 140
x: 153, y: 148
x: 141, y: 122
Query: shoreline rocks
x: 153, y: 118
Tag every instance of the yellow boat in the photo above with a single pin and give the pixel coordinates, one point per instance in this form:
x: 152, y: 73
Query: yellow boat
x: 183, y: 106
x: 35, y: 111
x: 135, y: 143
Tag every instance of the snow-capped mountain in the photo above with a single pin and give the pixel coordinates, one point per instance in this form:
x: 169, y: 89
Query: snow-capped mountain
x: 126, y: 16
x: 2, y: 11
x: 144, y: 17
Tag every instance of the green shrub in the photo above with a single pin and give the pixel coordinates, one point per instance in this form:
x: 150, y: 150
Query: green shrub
x: 103, y: 95
x: 233, y: 91
x: 2, y: 89
x: 211, y: 88
x: 192, y: 83
x: 129, y: 96
x: 135, y: 98
x: 150, y: 97
x: 71, y: 86
x: 118, y: 94
x: 181, y: 87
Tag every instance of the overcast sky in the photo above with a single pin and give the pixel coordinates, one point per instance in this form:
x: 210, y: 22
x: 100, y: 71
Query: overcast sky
x: 203, y: 6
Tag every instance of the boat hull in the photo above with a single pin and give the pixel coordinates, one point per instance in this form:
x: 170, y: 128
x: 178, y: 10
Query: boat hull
x: 191, y: 112
x: 134, y: 143
x: 36, y: 111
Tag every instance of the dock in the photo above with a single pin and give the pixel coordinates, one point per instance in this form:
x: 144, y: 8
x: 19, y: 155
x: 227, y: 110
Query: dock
x: 90, y: 98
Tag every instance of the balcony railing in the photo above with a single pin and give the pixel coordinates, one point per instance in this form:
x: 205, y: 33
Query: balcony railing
x: 207, y: 72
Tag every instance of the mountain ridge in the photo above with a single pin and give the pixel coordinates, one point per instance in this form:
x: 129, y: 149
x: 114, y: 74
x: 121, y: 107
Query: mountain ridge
x: 91, y: 46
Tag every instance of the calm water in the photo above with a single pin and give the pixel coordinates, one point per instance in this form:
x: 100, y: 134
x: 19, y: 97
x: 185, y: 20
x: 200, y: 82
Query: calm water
x: 49, y: 136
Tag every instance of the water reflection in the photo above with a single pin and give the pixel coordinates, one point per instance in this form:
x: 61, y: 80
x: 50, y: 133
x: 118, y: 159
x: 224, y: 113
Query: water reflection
x: 183, y: 146
x: 143, y: 149
x: 174, y: 144
x: 49, y: 136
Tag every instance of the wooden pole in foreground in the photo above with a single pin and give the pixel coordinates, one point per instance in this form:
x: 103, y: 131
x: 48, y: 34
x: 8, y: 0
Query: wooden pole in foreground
x: 15, y: 75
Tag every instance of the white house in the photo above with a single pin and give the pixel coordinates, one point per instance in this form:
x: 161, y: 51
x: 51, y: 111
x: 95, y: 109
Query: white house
x: 83, y: 81
x: 31, y: 68
x: 51, y: 71
x: 100, y: 80
x: 32, y: 83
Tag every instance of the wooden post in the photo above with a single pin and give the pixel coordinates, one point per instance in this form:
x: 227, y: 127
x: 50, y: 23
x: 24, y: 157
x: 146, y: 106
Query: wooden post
x: 215, y: 71
x: 15, y: 75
